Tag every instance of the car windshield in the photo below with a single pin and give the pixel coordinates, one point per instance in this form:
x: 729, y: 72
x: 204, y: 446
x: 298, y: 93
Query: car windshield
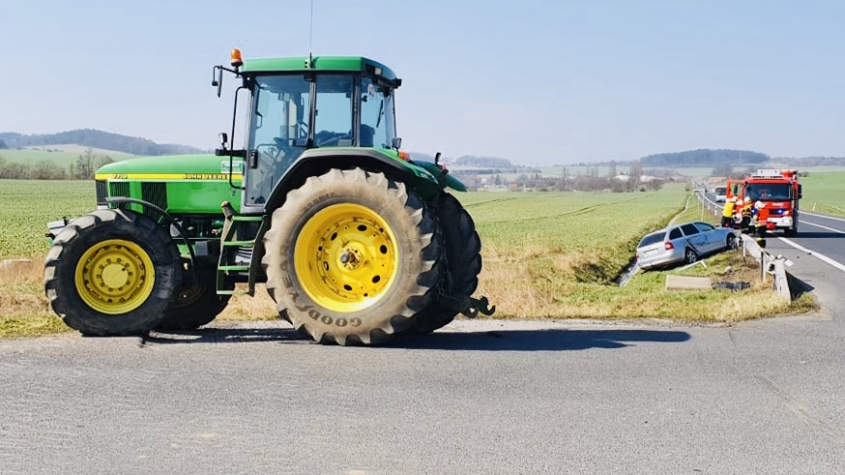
x: 769, y: 192
x: 652, y: 239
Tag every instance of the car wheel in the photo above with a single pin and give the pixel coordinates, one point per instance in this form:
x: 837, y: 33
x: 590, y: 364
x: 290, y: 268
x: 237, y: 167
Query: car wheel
x: 690, y: 256
x: 730, y: 242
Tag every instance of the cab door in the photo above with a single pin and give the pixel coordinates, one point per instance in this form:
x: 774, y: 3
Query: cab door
x: 696, y: 240
x: 736, y: 189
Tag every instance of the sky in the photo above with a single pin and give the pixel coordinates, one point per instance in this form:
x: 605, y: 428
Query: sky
x: 537, y: 82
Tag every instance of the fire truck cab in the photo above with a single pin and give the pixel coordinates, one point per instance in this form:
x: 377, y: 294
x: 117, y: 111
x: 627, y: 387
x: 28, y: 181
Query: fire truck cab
x: 776, y: 190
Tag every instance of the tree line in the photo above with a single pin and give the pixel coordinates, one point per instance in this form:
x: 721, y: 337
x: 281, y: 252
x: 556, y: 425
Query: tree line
x: 82, y: 169
x: 95, y: 139
x: 590, y: 181
x: 704, y: 158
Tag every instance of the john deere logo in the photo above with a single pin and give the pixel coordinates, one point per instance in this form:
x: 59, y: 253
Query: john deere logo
x: 237, y: 167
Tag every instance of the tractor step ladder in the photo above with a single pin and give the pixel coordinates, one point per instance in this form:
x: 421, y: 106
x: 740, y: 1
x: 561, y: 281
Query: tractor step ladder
x: 228, y: 241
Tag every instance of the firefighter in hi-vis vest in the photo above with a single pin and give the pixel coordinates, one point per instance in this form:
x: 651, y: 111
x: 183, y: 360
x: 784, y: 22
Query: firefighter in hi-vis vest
x: 745, y: 210
x: 761, y: 222
x: 728, y: 212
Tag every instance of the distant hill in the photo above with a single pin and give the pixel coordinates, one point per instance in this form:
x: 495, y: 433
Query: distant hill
x: 482, y: 162
x: 96, y: 139
x: 704, y: 158
x: 810, y: 161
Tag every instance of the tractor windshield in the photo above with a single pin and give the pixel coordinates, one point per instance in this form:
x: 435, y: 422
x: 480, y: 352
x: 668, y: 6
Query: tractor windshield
x: 292, y: 113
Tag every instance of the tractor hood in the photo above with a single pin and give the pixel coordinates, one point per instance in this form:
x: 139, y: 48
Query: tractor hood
x: 172, y: 167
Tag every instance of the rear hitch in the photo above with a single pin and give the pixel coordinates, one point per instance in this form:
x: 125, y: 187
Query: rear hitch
x: 468, y: 306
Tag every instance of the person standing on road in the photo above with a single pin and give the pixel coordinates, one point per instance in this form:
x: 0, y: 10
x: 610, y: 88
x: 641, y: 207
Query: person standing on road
x: 728, y: 212
x: 745, y: 211
x: 759, y: 222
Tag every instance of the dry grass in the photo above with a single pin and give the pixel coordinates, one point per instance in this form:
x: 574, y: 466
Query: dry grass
x: 553, y: 284
x: 244, y: 307
x: 25, y: 311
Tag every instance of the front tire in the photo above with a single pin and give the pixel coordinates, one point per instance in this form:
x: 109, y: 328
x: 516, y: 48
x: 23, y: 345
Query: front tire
x: 352, y: 257
x: 112, y: 272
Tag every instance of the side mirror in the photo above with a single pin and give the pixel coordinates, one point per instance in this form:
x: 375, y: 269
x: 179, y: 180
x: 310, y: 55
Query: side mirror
x: 217, y: 79
x: 224, y: 140
x: 799, y: 192
x: 397, y: 143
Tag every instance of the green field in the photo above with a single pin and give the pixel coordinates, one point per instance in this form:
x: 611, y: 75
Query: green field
x: 27, y: 205
x: 824, y: 192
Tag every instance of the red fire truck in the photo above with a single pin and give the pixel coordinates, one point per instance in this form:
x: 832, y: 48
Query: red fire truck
x: 778, y: 191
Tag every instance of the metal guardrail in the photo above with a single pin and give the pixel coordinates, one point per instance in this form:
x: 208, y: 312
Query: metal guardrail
x: 769, y: 264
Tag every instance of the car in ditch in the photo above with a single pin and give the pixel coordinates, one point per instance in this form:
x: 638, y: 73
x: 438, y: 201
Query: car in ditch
x: 683, y: 243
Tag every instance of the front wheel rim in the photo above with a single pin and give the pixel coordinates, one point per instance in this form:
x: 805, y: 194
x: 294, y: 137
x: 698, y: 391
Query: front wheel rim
x: 346, y: 257
x: 115, y: 276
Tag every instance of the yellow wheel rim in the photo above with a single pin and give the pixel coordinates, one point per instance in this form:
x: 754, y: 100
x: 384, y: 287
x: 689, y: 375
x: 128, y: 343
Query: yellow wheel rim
x: 115, y: 276
x: 345, y: 257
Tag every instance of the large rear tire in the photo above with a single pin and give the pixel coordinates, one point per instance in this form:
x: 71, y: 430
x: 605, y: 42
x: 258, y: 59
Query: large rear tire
x: 463, y: 262
x: 112, y: 272
x: 197, y: 303
x: 352, y: 257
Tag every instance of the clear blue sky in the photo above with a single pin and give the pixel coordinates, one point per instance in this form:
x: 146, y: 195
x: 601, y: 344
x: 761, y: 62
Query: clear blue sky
x: 538, y: 82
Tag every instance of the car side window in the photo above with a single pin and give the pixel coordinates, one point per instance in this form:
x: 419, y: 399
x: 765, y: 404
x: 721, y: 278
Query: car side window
x: 704, y: 227
x: 675, y: 234
x: 689, y: 229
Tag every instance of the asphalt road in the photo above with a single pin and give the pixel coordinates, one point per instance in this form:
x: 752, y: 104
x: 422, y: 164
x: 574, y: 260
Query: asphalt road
x: 477, y: 397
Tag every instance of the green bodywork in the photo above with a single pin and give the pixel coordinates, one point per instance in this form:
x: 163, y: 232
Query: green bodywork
x: 317, y: 64
x: 191, y: 188
x: 195, y: 184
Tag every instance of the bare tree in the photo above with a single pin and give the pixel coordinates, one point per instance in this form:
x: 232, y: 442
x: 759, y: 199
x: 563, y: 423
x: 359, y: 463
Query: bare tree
x: 85, y: 165
x: 635, y: 176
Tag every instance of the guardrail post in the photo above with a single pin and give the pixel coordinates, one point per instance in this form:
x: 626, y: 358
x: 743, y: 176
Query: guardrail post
x: 763, y: 266
x: 781, y: 283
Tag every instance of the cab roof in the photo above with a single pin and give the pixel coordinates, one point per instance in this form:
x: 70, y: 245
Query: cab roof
x: 320, y: 64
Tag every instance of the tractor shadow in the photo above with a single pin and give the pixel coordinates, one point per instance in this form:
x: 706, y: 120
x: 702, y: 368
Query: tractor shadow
x: 537, y: 340
x: 224, y: 335
x: 499, y: 340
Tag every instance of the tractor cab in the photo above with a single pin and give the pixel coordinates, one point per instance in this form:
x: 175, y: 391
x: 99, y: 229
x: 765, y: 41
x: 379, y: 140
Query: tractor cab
x: 300, y: 104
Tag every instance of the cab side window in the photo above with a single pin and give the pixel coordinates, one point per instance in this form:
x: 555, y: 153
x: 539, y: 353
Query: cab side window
x: 689, y: 229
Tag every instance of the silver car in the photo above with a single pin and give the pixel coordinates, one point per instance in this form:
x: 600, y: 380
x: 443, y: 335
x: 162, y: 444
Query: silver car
x: 683, y: 243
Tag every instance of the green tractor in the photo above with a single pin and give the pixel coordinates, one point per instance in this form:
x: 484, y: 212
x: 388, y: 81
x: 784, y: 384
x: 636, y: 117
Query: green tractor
x: 356, y: 242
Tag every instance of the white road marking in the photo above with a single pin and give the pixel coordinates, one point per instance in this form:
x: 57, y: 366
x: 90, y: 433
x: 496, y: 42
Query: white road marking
x: 821, y: 216
x: 823, y: 227
x: 820, y: 256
